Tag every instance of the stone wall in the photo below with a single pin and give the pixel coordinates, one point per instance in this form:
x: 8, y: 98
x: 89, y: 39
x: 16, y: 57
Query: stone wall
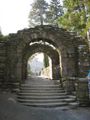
x: 83, y: 60
x: 82, y: 92
x: 2, y: 63
x: 46, y: 72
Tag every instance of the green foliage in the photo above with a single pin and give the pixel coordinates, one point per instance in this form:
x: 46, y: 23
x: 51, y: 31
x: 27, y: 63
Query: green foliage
x: 2, y: 37
x: 76, y: 16
x: 55, y: 10
x: 45, y: 13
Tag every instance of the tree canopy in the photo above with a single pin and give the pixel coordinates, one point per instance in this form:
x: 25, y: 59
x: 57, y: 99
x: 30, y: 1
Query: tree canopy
x: 43, y: 12
x: 76, y: 16
x: 37, y: 14
x: 55, y: 10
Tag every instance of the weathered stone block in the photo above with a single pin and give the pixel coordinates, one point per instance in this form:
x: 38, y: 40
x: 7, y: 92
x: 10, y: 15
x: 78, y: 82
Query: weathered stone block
x: 70, y: 84
x: 82, y: 91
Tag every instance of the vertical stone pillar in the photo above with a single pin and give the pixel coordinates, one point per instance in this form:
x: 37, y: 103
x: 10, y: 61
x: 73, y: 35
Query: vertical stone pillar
x: 24, y: 69
x: 11, y: 63
x: 19, y: 65
x: 82, y: 92
x: 64, y: 64
x: 83, y: 60
x: 76, y: 58
x: 70, y: 85
x: 55, y: 70
x: 71, y: 69
x: 69, y: 62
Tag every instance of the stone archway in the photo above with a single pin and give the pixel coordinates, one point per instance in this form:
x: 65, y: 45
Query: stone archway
x: 45, y: 33
x: 65, y: 42
x: 51, y: 52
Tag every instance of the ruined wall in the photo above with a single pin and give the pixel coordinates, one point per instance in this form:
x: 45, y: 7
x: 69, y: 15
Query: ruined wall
x: 2, y: 62
x: 11, y: 52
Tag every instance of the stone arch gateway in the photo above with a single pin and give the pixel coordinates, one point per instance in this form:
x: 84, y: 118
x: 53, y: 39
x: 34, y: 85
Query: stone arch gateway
x: 17, y: 48
x: 52, y: 53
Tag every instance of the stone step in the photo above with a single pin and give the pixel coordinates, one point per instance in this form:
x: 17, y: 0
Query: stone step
x: 74, y: 93
x: 39, y: 89
x: 73, y: 104
x: 40, y: 94
x: 46, y: 104
x: 13, y: 83
x: 39, y: 85
x: 72, y: 96
x: 42, y: 91
x: 46, y: 100
x: 42, y: 83
x: 40, y: 79
x: 42, y: 97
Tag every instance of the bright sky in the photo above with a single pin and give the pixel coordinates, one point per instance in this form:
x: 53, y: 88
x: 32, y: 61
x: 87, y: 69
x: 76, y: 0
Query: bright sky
x: 36, y: 63
x: 14, y: 15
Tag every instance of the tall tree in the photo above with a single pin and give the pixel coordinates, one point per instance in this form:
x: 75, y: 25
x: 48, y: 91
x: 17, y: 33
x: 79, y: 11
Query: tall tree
x: 55, y: 10
x: 37, y: 15
x: 76, y: 16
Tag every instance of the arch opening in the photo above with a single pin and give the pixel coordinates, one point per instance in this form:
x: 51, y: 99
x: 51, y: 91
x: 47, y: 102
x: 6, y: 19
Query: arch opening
x: 44, y: 42
x: 39, y: 64
x: 50, y: 51
x: 26, y: 42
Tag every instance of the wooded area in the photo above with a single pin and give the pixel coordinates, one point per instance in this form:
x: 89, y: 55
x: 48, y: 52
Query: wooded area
x: 73, y: 15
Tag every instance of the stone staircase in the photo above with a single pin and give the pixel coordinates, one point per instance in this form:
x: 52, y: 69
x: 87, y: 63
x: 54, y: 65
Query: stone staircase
x: 44, y: 93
